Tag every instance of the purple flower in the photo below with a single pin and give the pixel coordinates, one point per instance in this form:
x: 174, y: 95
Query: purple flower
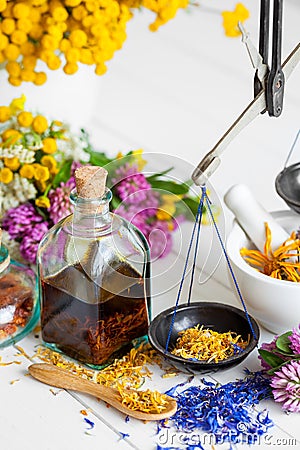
x: 60, y: 204
x: 31, y: 240
x: 286, y: 386
x: 133, y: 189
x: 295, y: 340
x: 270, y: 348
x: 17, y: 221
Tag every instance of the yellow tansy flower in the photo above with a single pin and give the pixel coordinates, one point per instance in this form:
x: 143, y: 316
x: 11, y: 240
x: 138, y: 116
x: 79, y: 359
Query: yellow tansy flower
x: 27, y: 171
x: 21, y: 10
x: 13, y: 68
x: 49, y: 145
x: 11, y: 136
x: 12, y: 163
x: 41, y: 173
x: 6, y: 175
x: 40, y: 124
x: 40, y: 78
x: 50, y: 162
x: 4, y: 113
x: 25, y: 119
x: 8, y: 26
x: 42, y: 202
x: 41, y: 185
x: 3, y: 5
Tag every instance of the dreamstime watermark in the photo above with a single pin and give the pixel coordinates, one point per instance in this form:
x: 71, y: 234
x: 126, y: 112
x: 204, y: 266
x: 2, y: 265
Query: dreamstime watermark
x: 171, y: 438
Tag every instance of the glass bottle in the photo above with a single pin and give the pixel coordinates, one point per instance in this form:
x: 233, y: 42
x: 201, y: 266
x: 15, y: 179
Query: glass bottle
x: 19, y: 299
x: 94, y: 270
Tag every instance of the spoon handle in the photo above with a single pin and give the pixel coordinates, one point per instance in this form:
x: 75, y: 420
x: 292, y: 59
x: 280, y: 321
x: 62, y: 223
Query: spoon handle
x: 60, y: 378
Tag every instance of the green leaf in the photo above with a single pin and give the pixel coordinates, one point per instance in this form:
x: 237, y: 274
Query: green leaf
x: 98, y: 158
x: 115, y: 202
x: 283, y: 343
x: 170, y: 186
x: 192, y: 203
x: 273, y: 360
x: 63, y: 175
x: 158, y: 175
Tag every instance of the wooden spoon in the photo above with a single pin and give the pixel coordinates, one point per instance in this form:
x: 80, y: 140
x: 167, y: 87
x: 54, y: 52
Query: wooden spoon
x: 61, y: 378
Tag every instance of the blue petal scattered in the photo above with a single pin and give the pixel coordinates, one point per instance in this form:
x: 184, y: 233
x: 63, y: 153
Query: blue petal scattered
x: 227, y: 411
x: 127, y: 419
x: 123, y: 435
x: 89, y: 422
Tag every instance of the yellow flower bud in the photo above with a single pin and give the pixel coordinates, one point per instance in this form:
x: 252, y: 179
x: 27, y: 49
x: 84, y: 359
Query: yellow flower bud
x: 27, y: 48
x: 6, y: 175
x: 40, y: 124
x: 42, y: 202
x: 72, y: 55
x: 25, y: 119
x: 3, y: 5
x: 14, y: 81
x: 79, y: 13
x: 18, y: 37
x: 21, y: 10
x: 11, y: 136
x: 41, y: 173
x: 3, y: 41
x: 53, y: 62
x: 36, y: 32
x: 12, y: 52
x: 49, y: 146
x: 78, y: 38
x: 70, y: 68
x: 12, y: 163
x: 24, y: 25
x: 27, y: 75
x: 13, y: 68
x: 100, y: 69
x: 29, y: 62
x: 50, y: 162
x: 8, y: 26
x: 27, y: 171
x: 59, y: 14
x: 40, y: 78
x: 4, y: 113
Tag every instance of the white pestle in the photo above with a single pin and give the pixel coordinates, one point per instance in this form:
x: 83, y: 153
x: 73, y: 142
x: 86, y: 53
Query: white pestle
x: 252, y: 217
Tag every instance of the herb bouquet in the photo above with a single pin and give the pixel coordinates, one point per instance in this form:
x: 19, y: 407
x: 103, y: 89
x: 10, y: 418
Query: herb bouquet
x: 281, y: 360
x: 37, y: 163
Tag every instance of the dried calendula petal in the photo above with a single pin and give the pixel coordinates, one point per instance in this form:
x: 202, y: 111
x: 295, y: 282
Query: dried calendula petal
x: 204, y: 344
x: 146, y: 401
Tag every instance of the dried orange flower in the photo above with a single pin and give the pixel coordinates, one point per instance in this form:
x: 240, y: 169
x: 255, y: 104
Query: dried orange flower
x: 283, y: 263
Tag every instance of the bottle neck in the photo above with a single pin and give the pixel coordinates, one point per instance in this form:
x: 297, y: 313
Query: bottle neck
x: 91, y: 215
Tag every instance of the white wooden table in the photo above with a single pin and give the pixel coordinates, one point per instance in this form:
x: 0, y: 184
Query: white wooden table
x: 174, y: 93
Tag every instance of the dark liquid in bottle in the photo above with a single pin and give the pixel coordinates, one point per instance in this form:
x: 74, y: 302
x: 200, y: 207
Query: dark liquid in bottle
x: 88, y: 322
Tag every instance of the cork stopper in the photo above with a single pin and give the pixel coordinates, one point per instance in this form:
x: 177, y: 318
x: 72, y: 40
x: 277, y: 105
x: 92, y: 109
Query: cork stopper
x: 90, y: 181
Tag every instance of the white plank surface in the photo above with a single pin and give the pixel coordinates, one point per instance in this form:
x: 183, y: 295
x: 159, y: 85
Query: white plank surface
x: 173, y: 93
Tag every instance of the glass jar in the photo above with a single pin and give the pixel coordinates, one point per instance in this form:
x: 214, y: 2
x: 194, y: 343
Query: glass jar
x: 19, y: 300
x: 94, y: 270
